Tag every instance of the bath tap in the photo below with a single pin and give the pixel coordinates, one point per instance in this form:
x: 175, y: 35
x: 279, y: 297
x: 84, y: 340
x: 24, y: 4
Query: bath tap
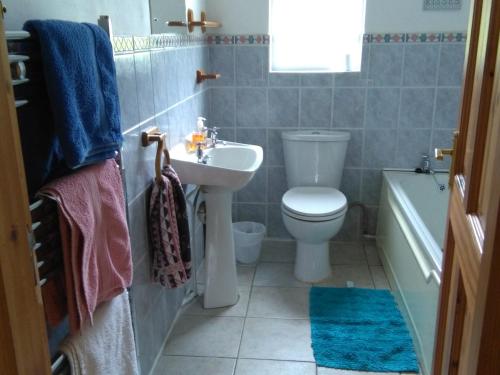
x: 426, y: 164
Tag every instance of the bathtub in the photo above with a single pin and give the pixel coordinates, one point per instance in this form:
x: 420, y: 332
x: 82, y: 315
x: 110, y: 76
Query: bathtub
x: 410, y: 237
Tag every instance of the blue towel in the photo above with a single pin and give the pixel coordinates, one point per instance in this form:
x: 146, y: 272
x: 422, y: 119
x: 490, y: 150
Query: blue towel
x: 80, y: 77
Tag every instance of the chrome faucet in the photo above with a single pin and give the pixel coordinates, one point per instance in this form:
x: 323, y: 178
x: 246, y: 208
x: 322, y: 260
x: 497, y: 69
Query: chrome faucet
x: 202, y: 158
x: 213, y: 136
x: 199, y: 152
x: 426, y: 164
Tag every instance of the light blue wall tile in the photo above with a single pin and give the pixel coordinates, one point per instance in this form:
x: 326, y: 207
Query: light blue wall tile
x: 144, y: 292
x: 350, y: 230
x: 348, y: 107
x: 351, y: 184
x: 382, y: 108
x: 380, y: 148
x: 284, y: 107
x: 252, y: 212
x: 252, y: 66
x: 275, y: 226
x: 256, y: 190
x: 251, y: 107
x: 222, y: 62
x: 276, y: 178
x: 412, y: 143
x: 139, y: 162
x: 355, y: 79
x: 447, y: 108
x: 173, y: 66
x: 316, y: 108
x: 354, y: 155
x: 138, y: 227
x: 227, y: 134
x: 372, y: 184
x: 275, y: 149
x: 316, y: 80
x: 127, y: 90
x: 451, y: 64
x: 385, y: 64
x: 253, y: 136
x: 159, y: 76
x: 284, y: 80
x: 371, y: 220
x: 144, y: 82
x: 222, y: 107
x: 420, y: 66
x: 417, y: 106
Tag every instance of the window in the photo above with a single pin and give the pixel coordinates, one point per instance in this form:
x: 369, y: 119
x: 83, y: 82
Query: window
x: 316, y: 35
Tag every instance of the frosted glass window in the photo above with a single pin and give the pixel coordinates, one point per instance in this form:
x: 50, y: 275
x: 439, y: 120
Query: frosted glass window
x: 316, y: 35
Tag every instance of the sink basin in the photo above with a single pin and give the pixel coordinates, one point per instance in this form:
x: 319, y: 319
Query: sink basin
x: 230, y: 165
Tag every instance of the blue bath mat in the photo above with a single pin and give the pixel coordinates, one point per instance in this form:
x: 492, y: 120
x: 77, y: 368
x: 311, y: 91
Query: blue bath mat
x: 359, y: 329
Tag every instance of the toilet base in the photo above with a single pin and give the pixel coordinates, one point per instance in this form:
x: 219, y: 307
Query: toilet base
x: 312, y: 262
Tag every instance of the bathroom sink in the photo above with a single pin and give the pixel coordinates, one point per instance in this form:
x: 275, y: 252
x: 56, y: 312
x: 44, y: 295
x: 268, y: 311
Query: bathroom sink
x: 229, y: 165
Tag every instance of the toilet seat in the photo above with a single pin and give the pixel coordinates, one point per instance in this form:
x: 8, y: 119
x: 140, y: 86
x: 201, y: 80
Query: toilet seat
x: 314, y: 203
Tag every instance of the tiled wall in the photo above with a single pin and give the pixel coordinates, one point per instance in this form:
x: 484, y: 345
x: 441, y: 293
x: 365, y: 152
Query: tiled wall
x: 403, y: 103
x: 157, y: 88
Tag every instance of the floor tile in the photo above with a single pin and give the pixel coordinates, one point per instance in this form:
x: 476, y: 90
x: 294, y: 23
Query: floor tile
x: 208, y: 336
x: 333, y: 371
x: 372, y: 254
x: 359, y: 274
x: 347, y: 253
x: 277, y: 274
x: 271, y: 302
x: 263, y: 367
x: 278, y: 251
x: 379, y: 277
x: 245, y: 276
x: 175, y: 365
x: 240, y: 309
x: 282, y: 339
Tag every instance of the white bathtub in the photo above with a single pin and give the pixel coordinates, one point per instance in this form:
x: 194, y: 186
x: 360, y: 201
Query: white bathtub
x: 410, y: 236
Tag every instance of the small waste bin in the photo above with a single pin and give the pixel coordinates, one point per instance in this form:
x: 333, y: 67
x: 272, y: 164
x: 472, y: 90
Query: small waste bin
x: 248, y: 238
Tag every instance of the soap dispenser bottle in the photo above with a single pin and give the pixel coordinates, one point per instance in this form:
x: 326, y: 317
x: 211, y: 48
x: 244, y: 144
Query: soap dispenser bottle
x: 197, y: 136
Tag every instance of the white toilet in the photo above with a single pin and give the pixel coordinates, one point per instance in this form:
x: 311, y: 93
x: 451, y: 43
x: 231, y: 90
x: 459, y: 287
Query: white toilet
x: 313, y: 208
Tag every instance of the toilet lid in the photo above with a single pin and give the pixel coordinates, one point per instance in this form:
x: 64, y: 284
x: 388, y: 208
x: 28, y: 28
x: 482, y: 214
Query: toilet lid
x: 314, y: 201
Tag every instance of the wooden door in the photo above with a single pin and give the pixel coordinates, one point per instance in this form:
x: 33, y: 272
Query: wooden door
x: 468, y: 337
x: 23, y: 338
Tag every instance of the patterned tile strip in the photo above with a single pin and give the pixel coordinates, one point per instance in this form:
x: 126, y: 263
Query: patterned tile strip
x: 128, y: 44
x: 447, y: 37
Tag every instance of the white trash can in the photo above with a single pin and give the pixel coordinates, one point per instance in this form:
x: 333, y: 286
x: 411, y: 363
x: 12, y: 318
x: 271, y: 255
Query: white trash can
x: 248, y: 238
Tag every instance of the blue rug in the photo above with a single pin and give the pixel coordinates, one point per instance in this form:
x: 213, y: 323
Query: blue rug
x: 359, y: 329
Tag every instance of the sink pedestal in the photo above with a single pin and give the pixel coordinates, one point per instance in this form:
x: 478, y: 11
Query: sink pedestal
x: 221, y: 284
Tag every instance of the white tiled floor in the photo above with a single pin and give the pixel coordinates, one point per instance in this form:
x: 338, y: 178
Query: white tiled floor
x: 268, y: 331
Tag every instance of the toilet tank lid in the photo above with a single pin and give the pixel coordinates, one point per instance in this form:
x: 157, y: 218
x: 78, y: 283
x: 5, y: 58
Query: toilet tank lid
x: 314, y: 201
x: 316, y: 135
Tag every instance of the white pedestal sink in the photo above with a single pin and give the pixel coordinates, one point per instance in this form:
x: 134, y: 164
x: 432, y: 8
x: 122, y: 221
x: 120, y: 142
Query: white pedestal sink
x: 229, y: 168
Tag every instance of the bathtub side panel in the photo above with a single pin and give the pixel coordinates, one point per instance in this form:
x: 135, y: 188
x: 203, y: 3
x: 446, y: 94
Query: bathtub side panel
x: 418, y: 299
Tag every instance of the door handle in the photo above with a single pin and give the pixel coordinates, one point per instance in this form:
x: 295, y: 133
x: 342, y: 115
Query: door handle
x: 440, y: 153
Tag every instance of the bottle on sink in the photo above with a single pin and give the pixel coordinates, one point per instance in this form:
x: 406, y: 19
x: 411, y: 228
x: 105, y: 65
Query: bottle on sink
x: 198, y: 136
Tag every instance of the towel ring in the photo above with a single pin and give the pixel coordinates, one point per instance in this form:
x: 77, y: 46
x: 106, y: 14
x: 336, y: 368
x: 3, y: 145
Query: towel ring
x: 153, y: 135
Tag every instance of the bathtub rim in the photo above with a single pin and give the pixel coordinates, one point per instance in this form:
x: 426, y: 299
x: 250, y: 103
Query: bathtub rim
x: 424, y: 239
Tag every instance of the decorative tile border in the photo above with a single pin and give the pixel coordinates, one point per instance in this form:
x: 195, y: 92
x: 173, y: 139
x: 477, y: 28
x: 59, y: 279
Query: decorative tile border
x: 238, y: 39
x: 129, y: 44
x: 447, y: 37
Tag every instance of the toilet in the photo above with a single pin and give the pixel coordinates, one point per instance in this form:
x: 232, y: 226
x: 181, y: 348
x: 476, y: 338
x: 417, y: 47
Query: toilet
x: 313, y: 209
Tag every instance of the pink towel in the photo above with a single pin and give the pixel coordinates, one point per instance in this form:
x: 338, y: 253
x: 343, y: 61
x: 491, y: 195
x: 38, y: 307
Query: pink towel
x: 95, y: 238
